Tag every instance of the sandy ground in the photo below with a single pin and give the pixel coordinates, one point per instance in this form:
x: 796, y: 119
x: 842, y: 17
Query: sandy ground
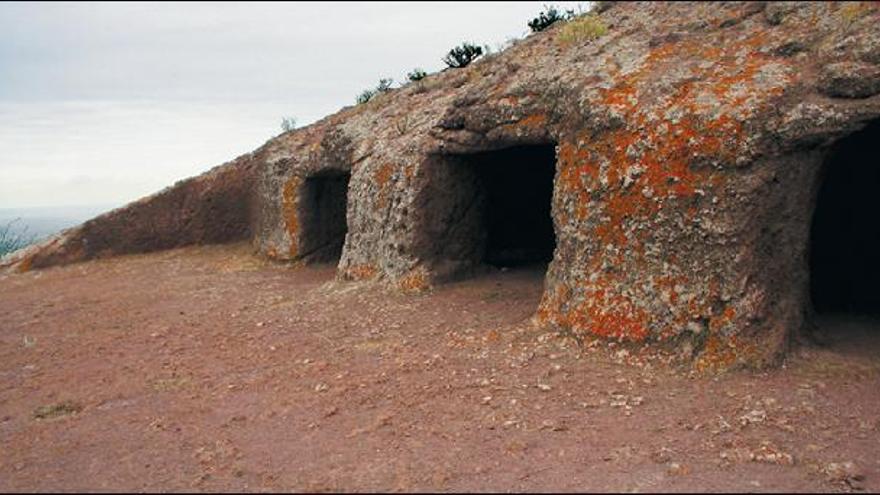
x: 209, y: 369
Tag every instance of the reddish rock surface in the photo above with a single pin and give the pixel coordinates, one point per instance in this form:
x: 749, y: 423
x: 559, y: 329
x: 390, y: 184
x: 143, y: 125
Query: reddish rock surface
x: 689, y: 141
x: 216, y: 207
x: 207, y: 368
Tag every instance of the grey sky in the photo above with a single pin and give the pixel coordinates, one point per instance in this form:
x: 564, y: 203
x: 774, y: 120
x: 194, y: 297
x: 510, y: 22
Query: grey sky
x: 103, y: 103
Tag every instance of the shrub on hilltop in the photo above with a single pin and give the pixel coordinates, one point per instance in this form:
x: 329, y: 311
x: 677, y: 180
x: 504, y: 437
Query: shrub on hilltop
x: 462, y: 55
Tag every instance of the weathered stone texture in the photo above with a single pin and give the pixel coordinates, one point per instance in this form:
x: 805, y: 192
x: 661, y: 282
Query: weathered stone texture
x: 689, y: 138
x: 215, y: 207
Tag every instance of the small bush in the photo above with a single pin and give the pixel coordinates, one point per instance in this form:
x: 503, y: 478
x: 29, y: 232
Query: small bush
x: 288, y: 124
x: 551, y: 15
x: 12, y: 239
x: 416, y: 75
x: 365, y: 96
x: 462, y: 55
x: 584, y: 28
x: 383, y: 87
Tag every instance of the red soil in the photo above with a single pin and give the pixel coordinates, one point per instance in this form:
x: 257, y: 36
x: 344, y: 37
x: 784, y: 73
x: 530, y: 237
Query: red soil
x: 208, y: 369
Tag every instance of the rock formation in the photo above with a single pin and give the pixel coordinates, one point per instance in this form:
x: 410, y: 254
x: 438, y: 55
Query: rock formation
x: 679, y: 150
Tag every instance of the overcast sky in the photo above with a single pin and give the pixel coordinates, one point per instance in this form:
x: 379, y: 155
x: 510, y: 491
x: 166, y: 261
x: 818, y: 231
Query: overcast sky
x: 104, y: 103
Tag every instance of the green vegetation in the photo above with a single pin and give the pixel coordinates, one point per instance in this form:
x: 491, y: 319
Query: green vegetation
x: 384, y: 85
x: 584, y: 28
x: 12, y: 239
x: 416, y: 75
x: 578, y: 27
x: 365, y: 96
x: 462, y: 55
x: 288, y: 124
x: 550, y: 16
x: 368, y: 94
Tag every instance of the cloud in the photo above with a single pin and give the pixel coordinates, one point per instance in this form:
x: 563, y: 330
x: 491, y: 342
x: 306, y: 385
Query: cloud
x: 138, y: 95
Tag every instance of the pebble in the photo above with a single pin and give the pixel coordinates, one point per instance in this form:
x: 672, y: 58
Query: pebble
x: 755, y: 416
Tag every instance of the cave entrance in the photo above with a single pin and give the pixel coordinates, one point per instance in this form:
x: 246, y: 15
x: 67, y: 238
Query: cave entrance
x: 517, y: 189
x: 324, y: 206
x: 489, y: 209
x: 845, y: 233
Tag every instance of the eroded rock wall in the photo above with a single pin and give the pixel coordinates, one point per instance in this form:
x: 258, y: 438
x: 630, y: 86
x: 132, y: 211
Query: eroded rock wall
x: 689, y: 141
x: 215, y: 207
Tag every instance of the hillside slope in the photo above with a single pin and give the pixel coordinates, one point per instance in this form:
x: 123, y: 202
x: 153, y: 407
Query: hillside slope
x: 688, y: 141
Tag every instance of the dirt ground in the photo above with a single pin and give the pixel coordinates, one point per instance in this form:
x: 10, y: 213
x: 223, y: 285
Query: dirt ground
x: 209, y: 369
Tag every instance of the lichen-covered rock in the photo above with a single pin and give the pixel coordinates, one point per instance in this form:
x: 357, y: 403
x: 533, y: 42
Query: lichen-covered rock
x: 850, y: 80
x: 689, y: 140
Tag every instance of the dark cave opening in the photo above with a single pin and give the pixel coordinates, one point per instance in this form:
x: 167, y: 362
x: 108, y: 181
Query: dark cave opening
x: 845, y: 233
x: 516, y: 185
x: 324, y: 206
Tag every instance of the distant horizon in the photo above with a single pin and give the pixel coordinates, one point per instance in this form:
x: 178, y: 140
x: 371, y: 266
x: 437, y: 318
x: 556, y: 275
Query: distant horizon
x: 45, y: 221
x: 62, y: 207
x: 50, y: 219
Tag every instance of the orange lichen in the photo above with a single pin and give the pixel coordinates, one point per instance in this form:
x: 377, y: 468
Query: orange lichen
x: 672, y: 142
x: 531, y: 124
x: 25, y: 265
x: 718, y: 322
x: 289, y: 211
x: 550, y: 307
x: 414, y: 281
x: 602, y: 312
x: 409, y: 172
x: 536, y: 120
x: 609, y: 314
x: 722, y: 354
x: 624, y: 95
x: 621, y: 179
x: 382, y: 177
x: 383, y: 174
